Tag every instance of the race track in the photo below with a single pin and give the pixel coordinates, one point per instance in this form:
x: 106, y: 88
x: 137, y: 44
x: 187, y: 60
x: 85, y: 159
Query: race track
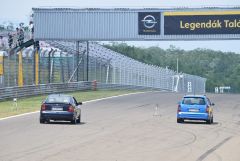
x: 127, y: 128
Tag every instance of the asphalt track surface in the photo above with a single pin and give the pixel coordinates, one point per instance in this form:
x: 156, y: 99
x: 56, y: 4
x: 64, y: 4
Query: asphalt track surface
x: 127, y: 128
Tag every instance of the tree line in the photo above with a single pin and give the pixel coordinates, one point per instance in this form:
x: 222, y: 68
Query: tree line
x: 220, y: 68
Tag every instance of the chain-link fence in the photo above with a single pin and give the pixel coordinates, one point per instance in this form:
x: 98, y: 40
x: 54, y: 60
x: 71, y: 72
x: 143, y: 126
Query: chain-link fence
x: 65, y: 62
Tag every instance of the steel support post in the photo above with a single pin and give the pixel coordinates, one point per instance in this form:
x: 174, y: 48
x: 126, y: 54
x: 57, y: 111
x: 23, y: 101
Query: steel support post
x: 9, y: 70
x: 87, y: 59
x: 77, y: 57
x: 36, y: 67
x: 49, y: 66
x: 62, y: 67
x: 20, y: 69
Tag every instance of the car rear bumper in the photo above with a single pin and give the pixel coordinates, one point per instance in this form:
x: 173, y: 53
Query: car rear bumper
x: 193, y: 116
x: 61, y: 115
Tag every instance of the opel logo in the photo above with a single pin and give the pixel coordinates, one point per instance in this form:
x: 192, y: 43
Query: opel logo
x: 149, y: 21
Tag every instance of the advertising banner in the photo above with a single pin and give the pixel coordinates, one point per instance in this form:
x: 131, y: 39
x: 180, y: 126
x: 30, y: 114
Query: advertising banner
x: 149, y: 23
x: 202, y: 23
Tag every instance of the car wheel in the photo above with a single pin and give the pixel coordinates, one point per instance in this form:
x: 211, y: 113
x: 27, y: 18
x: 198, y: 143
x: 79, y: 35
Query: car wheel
x: 209, y: 121
x: 180, y: 120
x: 74, y: 121
x: 79, y: 119
x: 42, y: 121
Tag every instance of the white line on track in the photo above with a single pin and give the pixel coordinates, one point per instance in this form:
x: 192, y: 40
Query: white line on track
x: 25, y: 114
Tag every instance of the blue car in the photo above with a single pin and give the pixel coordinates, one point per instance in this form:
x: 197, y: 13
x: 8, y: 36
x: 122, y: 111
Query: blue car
x: 60, y: 107
x: 195, y: 107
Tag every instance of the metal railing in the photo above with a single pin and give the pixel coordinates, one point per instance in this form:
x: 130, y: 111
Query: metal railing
x: 63, y: 63
x: 32, y: 90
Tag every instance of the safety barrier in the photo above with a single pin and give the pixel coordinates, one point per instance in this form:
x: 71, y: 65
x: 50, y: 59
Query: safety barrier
x: 26, y: 91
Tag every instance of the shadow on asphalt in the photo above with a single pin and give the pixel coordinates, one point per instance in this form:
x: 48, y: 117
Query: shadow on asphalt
x: 63, y: 123
x: 199, y: 122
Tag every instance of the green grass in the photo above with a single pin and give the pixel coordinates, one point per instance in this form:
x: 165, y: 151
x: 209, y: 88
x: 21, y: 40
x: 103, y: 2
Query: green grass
x: 8, y: 108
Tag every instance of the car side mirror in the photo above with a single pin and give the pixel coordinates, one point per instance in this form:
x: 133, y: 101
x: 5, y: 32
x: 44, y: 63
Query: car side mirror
x: 79, y: 103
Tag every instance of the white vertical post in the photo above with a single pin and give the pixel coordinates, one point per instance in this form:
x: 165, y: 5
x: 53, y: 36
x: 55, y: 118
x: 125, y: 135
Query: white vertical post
x: 120, y: 73
x: 177, y: 65
x: 131, y: 74
x: 108, y: 66
x: 114, y: 72
x: 189, y: 87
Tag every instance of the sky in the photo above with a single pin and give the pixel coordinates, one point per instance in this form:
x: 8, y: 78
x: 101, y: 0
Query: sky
x: 19, y: 11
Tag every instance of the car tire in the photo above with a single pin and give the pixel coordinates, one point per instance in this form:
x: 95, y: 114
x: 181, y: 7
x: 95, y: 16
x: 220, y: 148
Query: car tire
x: 74, y: 121
x: 42, y: 121
x: 180, y: 120
x: 209, y: 121
x: 79, y: 119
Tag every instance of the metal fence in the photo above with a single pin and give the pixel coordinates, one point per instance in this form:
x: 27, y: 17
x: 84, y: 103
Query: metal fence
x: 66, y: 62
x: 119, y: 69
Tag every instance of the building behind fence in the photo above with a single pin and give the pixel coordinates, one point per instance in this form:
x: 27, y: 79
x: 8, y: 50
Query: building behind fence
x: 66, y: 62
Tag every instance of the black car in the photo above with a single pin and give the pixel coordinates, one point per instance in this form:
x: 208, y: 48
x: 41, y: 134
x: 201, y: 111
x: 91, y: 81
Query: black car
x: 60, y: 107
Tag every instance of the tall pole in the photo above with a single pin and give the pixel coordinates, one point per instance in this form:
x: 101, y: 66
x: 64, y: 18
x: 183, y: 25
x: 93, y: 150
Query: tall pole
x: 36, y: 67
x: 177, y: 65
x: 9, y: 70
x: 87, y: 58
x: 77, y: 53
x: 20, y: 69
x: 1, y: 69
x: 49, y: 66
x: 62, y: 69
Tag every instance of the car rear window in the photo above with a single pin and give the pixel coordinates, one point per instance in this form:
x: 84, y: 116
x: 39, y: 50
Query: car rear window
x: 194, y: 101
x: 58, y: 99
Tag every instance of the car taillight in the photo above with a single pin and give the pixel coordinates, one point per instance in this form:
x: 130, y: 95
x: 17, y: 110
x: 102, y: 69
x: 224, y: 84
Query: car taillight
x: 207, y: 109
x: 43, y: 107
x: 70, y: 109
x: 179, y: 108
